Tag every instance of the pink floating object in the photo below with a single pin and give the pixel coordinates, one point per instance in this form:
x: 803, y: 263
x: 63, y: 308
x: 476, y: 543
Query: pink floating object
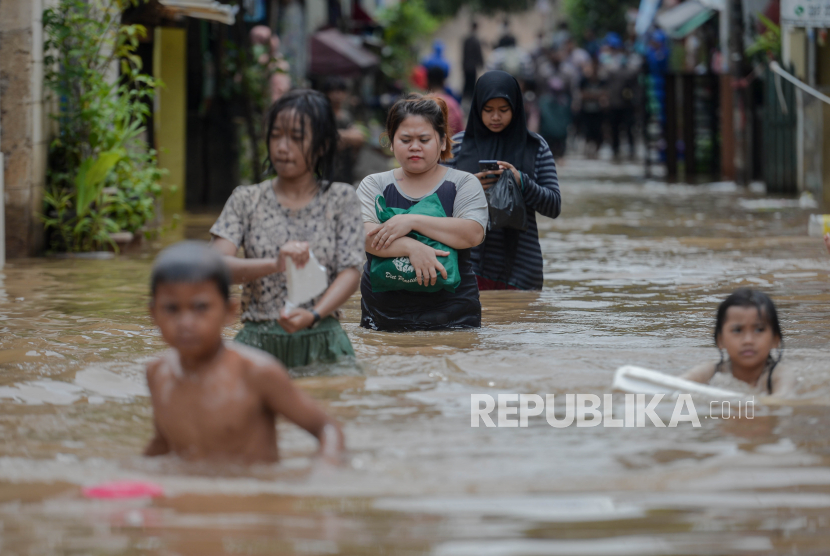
x: 123, y: 489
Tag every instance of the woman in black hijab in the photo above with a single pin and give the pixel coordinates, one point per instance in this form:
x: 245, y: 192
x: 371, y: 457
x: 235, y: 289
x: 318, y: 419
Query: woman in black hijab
x: 497, y: 130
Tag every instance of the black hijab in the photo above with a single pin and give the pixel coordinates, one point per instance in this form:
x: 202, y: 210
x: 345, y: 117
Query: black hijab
x: 514, y: 144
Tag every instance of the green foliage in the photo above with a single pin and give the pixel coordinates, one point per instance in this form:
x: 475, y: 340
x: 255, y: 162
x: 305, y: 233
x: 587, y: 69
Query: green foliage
x: 767, y: 44
x: 102, y: 178
x: 599, y: 16
x: 405, y: 26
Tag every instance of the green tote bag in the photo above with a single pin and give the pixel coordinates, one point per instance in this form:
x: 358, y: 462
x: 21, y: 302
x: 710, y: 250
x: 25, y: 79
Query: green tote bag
x: 396, y: 273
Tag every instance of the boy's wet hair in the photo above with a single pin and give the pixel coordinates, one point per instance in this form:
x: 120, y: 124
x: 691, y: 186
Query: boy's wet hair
x: 191, y: 261
x: 746, y: 297
x: 312, y: 107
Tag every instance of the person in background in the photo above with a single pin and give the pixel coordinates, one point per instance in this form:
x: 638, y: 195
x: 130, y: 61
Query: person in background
x: 557, y: 69
x: 827, y: 242
x: 290, y: 216
x: 593, y: 104
x: 622, y: 81
x: 507, y: 38
x: 496, y: 130
x: 576, y: 56
x: 575, y: 59
x: 351, y: 138
x: 530, y: 93
x: 437, y: 60
x: 472, y: 60
x: 513, y: 60
x: 555, y: 116
x: 591, y: 43
x: 539, y: 54
x: 435, y: 86
x: 560, y: 35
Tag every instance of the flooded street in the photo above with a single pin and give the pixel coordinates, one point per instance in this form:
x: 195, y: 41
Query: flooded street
x: 633, y: 274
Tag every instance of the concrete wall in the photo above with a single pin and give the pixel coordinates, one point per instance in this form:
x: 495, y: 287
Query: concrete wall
x: 24, y: 130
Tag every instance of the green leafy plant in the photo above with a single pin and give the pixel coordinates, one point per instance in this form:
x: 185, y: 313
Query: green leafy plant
x: 405, y: 26
x: 768, y: 43
x: 102, y: 177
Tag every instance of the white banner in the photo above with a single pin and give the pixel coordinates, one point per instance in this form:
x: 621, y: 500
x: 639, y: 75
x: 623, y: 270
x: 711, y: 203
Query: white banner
x: 805, y: 13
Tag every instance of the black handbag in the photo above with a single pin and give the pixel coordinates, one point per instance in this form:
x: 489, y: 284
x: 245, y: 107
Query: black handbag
x: 506, y: 204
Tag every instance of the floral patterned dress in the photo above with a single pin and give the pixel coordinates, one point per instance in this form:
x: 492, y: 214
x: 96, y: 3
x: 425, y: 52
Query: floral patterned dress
x: 253, y: 219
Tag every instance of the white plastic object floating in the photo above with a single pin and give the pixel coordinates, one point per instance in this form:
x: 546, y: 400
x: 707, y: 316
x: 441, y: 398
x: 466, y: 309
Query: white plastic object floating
x: 304, y: 284
x: 636, y: 380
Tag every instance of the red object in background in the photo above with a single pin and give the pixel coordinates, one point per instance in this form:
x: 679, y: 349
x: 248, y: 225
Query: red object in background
x: 419, y: 77
x: 123, y: 489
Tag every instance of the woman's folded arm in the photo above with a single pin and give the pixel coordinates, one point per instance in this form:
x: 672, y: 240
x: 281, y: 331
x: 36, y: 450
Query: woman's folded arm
x: 458, y: 233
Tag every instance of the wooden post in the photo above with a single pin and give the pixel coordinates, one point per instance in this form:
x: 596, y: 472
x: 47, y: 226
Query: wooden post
x: 170, y: 114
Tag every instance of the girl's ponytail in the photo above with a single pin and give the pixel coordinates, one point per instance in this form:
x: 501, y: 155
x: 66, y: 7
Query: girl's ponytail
x: 446, y: 154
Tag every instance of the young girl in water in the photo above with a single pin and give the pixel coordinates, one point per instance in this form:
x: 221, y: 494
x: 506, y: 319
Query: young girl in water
x: 298, y: 212
x: 747, y: 328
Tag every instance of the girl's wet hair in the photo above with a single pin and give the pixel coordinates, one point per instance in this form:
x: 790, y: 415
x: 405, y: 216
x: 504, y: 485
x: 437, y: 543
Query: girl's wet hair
x: 431, y: 108
x: 312, y: 107
x: 191, y: 261
x: 746, y: 297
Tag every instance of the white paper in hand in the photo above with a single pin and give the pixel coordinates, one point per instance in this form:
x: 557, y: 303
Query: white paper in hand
x: 304, y: 284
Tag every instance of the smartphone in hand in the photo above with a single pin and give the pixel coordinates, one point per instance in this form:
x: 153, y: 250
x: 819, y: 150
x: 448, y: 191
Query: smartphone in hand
x: 487, y: 166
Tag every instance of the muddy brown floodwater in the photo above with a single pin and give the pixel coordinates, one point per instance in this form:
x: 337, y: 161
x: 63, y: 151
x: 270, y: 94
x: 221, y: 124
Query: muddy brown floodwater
x: 633, y: 274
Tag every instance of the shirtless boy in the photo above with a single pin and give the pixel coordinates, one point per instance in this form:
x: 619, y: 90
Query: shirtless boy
x: 214, y: 400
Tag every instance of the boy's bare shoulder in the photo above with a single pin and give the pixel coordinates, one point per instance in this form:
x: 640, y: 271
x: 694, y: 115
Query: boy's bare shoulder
x: 164, y: 363
x: 702, y: 373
